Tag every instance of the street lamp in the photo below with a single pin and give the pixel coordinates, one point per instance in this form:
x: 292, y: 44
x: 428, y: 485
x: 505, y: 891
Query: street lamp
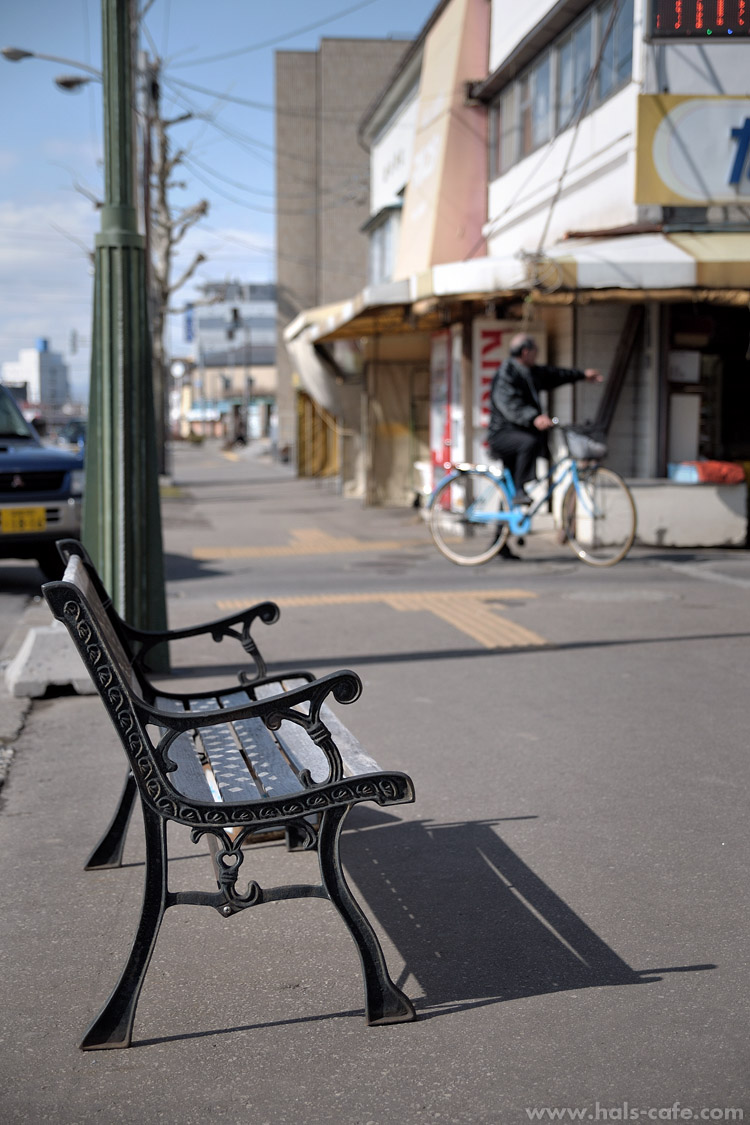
x: 121, y: 515
x: 16, y: 54
x: 71, y: 83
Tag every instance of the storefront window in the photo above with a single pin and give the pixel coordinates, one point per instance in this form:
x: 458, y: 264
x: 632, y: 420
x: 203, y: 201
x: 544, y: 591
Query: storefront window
x: 708, y: 379
x: 541, y: 124
x: 555, y: 90
x: 506, y: 130
x: 535, y: 109
x: 524, y: 92
x: 617, y: 51
x: 574, y: 70
x: 382, y: 249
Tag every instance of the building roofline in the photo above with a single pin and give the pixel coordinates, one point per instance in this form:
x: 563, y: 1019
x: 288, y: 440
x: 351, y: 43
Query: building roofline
x: 365, y: 126
x: 548, y: 28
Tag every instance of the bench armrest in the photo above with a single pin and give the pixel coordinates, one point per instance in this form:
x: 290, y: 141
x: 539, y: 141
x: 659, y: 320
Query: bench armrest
x: 345, y: 686
x: 246, y: 681
x: 238, y: 625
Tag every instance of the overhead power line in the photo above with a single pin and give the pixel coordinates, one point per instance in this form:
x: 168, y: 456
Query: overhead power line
x: 279, y: 38
x: 267, y: 107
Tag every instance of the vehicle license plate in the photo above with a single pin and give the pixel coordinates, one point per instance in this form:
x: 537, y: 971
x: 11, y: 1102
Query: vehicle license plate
x: 22, y: 519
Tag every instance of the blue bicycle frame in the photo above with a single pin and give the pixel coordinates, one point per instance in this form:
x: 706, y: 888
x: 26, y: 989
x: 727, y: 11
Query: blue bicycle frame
x: 519, y: 519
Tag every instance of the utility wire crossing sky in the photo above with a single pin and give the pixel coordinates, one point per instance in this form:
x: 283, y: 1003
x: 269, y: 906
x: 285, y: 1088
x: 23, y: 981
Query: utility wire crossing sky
x: 217, y: 66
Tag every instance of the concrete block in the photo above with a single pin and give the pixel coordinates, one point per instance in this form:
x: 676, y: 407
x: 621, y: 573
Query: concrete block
x: 46, y: 658
x: 690, y: 515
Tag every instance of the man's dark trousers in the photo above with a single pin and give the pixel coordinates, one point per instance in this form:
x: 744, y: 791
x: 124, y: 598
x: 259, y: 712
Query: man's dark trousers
x: 518, y: 449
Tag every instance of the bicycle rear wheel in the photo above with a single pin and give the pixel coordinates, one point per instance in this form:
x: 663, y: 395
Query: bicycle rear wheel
x: 599, y: 517
x: 463, y: 518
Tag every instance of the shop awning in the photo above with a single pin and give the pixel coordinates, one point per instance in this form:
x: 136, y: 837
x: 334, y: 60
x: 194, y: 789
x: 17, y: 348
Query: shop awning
x: 651, y: 262
x: 376, y: 310
x: 415, y: 304
x: 711, y: 266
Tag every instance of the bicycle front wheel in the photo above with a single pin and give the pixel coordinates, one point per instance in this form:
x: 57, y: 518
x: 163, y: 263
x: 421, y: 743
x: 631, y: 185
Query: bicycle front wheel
x: 464, y: 518
x: 599, y: 517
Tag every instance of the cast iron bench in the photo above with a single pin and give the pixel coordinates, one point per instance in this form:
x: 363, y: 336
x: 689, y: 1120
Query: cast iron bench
x: 137, y: 645
x: 231, y: 765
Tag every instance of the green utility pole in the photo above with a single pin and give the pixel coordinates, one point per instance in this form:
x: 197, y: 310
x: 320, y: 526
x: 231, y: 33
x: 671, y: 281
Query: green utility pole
x: 121, y: 515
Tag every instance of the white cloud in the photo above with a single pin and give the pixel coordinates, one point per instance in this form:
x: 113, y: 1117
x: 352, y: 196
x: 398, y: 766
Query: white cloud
x: 45, y: 278
x: 46, y: 284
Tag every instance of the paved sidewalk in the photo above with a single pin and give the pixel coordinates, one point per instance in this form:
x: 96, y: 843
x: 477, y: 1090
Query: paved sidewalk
x: 568, y: 913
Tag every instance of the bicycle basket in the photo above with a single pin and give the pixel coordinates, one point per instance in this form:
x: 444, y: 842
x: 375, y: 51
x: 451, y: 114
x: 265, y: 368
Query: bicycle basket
x: 586, y: 442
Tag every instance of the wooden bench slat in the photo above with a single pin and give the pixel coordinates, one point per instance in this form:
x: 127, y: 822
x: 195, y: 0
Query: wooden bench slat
x: 273, y: 771
x: 228, y: 766
x: 294, y: 740
x: 189, y: 778
x: 297, y: 744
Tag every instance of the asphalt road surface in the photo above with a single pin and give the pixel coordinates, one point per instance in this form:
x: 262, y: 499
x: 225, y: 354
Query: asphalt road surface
x: 566, y: 901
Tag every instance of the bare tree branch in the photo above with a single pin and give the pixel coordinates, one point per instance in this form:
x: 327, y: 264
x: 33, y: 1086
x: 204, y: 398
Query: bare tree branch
x: 77, y: 241
x: 187, y: 274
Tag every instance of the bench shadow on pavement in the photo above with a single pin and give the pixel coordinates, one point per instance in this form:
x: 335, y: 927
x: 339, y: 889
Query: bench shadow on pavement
x: 473, y: 923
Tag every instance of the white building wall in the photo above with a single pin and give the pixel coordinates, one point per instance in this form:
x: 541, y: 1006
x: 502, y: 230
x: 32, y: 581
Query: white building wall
x: 45, y: 374
x: 592, y: 169
x: 718, y: 68
x: 583, y: 179
x: 510, y: 23
x: 390, y: 156
x: 25, y: 369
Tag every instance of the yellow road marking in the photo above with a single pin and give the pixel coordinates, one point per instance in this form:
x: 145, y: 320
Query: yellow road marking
x: 465, y: 610
x: 306, y: 541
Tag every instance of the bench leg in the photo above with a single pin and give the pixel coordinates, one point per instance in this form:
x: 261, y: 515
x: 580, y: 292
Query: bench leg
x: 108, y: 852
x: 113, y: 1027
x: 384, y: 1002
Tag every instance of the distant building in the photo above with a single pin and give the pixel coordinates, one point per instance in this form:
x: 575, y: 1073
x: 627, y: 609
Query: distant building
x: 322, y: 203
x: 232, y: 332
x: 44, y: 372
x: 235, y: 324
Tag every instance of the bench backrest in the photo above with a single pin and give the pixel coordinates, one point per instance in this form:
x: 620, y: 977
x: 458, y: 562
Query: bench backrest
x: 95, y: 589
x: 77, y: 575
x: 76, y: 603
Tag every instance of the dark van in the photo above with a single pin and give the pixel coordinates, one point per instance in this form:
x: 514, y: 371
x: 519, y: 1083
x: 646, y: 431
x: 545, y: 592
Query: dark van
x: 40, y: 491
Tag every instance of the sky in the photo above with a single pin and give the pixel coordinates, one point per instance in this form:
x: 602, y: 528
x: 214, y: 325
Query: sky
x: 51, y: 146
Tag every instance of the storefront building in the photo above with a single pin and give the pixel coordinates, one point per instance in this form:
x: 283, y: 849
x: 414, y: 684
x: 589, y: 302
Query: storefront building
x: 428, y: 203
x: 619, y: 174
x: 612, y: 144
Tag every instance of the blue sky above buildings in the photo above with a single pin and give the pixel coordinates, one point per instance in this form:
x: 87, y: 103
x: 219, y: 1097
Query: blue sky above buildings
x: 51, y: 146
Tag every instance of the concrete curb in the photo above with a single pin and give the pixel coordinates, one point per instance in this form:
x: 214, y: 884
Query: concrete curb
x: 14, y: 709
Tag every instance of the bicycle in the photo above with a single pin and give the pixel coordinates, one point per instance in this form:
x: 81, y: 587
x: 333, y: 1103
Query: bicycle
x: 472, y: 512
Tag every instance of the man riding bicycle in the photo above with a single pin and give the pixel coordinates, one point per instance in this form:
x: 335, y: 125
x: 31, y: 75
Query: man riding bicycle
x: 518, y: 425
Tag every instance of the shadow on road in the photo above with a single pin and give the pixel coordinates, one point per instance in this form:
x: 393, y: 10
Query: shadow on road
x: 474, y: 924
x: 333, y: 663
x: 181, y: 568
x: 352, y: 661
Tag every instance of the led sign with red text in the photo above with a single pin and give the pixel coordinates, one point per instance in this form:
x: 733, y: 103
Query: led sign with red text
x: 700, y: 19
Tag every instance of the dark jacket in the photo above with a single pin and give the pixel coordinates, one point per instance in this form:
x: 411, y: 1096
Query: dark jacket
x: 514, y: 396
